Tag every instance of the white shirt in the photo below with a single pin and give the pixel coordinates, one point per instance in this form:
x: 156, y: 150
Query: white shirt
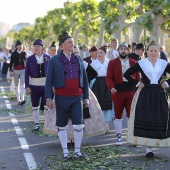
x: 99, y: 67
x: 125, y: 65
x: 67, y: 56
x: 40, y: 60
x: 115, y: 53
x: 84, y: 54
x: 153, y: 72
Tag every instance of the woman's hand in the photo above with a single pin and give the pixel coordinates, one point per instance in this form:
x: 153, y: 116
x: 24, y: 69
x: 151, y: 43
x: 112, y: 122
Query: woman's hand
x: 140, y: 85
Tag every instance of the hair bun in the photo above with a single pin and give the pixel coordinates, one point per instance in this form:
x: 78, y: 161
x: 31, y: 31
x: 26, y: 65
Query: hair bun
x: 103, y: 48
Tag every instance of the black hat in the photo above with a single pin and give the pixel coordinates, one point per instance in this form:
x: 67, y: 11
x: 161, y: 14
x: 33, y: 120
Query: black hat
x: 139, y: 46
x: 18, y: 43
x: 63, y: 37
x: 53, y: 44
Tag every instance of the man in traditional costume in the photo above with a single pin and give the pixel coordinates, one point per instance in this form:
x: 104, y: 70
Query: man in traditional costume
x: 66, y: 73
x: 17, y: 69
x: 35, y: 76
x: 139, y: 51
x: 122, y: 91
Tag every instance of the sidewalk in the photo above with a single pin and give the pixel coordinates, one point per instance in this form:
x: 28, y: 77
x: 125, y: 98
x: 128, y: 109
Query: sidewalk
x: 102, y: 151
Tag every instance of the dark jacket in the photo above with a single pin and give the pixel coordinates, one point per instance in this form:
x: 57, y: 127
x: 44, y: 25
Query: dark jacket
x: 15, y: 59
x: 31, y: 69
x: 55, y: 77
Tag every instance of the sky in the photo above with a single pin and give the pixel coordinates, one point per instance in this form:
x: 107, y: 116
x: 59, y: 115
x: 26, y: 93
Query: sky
x: 15, y: 11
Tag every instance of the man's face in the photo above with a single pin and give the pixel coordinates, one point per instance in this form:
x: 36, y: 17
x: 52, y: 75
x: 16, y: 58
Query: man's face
x: 76, y: 51
x: 68, y: 45
x: 38, y: 49
x: 139, y: 52
x: 93, y: 54
x: 19, y: 47
x: 123, y: 51
x: 114, y: 44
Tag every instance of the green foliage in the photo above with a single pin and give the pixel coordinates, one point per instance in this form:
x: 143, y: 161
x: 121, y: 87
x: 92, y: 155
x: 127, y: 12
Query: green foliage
x: 82, y: 19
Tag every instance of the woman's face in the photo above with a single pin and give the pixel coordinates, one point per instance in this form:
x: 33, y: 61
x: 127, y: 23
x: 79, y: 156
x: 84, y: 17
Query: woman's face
x: 100, y: 54
x: 53, y: 51
x: 152, y: 51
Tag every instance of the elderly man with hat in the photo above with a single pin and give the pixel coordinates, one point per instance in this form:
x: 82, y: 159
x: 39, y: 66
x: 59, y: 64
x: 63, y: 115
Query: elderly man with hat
x: 17, y: 69
x: 35, y: 77
x: 138, y: 52
x: 122, y: 91
x: 66, y: 73
x: 93, y: 55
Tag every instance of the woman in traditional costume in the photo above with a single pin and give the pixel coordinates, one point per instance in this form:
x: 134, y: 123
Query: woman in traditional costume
x: 99, y: 87
x: 149, y: 123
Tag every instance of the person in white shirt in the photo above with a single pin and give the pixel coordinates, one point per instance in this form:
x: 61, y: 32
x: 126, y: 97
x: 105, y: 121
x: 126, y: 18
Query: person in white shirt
x: 113, y: 53
x: 84, y: 52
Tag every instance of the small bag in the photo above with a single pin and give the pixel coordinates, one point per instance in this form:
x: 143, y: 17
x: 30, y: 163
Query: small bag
x: 86, y: 113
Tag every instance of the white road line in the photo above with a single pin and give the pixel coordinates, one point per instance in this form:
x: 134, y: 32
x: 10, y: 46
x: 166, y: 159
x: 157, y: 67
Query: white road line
x: 32, y: 165
x: 8, y: 106
x: 14, y: 121
x: 30, y: 161
x: 6, y: 101
x: 11, y: 114
x: 23, y: 143
x: 18, y: 131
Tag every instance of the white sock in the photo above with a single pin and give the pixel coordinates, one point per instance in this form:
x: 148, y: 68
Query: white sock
x: 36, y: 114
x: 17, y: 93
x: 148, y: 149
x: 62, y: 134
x: 22, y: 92
x: 78, y: 135
x: 118, y: 125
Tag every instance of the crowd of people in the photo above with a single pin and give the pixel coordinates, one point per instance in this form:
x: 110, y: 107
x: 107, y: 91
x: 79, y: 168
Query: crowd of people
x: 81, y: 90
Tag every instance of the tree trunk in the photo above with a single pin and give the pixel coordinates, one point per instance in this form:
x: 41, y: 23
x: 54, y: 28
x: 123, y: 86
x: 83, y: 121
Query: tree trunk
x: 101, y: 34
x: 136, y: 33
x: 75, y: 36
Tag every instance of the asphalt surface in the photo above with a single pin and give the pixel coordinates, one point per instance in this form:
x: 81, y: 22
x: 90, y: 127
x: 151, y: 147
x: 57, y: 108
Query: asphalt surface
x: 20, y: 149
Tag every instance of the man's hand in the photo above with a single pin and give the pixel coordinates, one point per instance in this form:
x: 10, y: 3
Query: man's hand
x: 49, y: 103
x: 11, y: 74
x: 27, y: 91
x: 113, y: 90
x: 140, y: 85
x: 86, y: 103
x: 163, y: 85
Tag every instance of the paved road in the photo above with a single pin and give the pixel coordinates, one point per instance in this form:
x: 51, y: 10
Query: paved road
x: 20, y: 149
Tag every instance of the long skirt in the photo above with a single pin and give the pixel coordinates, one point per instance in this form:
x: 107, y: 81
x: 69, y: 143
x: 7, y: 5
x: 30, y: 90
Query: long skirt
x: 149, y: 119
x: 95, y: 125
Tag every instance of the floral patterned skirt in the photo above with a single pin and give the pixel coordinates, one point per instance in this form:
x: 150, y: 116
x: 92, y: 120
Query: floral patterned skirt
x: 95, y: 125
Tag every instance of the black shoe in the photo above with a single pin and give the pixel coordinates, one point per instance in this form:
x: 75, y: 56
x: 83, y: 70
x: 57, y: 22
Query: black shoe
x: 150, y: 155
x: 23, y: 102
x: 64, y: 158
x: 19, y: 103
x: 78, y: 155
